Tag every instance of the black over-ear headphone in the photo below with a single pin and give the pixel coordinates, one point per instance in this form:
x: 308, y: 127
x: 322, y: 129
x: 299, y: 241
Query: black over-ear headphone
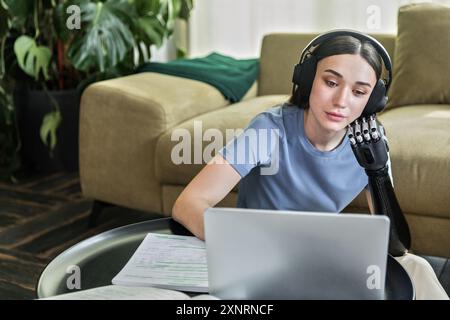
x: 305, y: 70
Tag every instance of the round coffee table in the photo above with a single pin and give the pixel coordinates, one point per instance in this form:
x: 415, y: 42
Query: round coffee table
x: 101, y: 257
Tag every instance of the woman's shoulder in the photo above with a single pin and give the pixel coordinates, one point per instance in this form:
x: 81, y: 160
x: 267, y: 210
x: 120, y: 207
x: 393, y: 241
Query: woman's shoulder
x: 276, y: 117
x: 279, y: 112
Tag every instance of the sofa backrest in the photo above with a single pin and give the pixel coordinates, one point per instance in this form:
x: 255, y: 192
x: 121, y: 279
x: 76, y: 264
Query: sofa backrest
x: 280, y: 52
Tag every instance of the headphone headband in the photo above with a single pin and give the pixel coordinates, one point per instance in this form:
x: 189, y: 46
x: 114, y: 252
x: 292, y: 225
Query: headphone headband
x: 361, y: 36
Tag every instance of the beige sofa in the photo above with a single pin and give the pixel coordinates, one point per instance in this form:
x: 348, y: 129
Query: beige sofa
x: 126, y: 126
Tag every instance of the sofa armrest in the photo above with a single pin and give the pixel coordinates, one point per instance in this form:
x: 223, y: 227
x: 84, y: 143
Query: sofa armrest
x: 120, y: 121
x: 170, y: 99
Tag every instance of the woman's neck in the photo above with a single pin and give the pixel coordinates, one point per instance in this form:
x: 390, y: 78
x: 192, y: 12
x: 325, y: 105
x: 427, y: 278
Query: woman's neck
x: 320, y: 138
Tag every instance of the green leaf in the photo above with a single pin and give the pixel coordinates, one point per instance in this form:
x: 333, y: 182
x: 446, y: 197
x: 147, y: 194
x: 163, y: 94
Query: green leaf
x: 181, y: 53
x: 20, y: 11
x: 32, y: 58
x: 3, y: 21
x: 147, y: 7
x: 6, y: 109
x: 151, y: 30
x: 50, y: 124
x: 104, y: 38
x: 48, y: 4
x: 59, y: 21
x: 186, y: 8
x: 170, y: 11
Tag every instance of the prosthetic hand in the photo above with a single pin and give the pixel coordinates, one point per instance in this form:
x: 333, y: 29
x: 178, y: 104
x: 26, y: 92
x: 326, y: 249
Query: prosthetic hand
x: 371, y: 150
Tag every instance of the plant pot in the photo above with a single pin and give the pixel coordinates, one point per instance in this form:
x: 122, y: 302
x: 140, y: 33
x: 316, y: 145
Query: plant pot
x: 32, y: 106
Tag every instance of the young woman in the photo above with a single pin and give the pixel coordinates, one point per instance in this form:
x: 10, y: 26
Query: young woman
x: 317, y: 169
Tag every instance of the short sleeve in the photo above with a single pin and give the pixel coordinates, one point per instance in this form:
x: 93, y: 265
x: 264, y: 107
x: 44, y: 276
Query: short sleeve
x: 255, y: 146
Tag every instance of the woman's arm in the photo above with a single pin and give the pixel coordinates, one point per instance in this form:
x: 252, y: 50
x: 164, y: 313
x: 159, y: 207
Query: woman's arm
x: 369, y: 201
x: 207, y: 188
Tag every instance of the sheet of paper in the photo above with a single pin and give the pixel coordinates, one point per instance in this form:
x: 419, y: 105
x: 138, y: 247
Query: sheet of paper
x: 114, y: 292
x: 167, y: 261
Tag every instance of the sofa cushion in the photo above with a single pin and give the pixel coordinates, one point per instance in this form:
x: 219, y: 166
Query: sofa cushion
x: 421, y: 67
x: 235, y: 116
x: 419, y: 141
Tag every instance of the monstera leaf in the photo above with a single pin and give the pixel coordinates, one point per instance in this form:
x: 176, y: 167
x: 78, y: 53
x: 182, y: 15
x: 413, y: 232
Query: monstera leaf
x: 19, y: 11
x: 150, y: 30
x: 154, y: 23
x: 49, y: 126
x: 32, y: 58
x: 106, y: 37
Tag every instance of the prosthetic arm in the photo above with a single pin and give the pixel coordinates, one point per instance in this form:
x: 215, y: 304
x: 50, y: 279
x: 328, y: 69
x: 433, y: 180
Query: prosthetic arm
x: 371, y: 150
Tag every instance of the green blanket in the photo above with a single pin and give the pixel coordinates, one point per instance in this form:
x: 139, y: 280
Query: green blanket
x: 230, y: 76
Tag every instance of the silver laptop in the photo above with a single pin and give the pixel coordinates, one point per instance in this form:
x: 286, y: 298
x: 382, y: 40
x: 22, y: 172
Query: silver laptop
x: 266, y: 254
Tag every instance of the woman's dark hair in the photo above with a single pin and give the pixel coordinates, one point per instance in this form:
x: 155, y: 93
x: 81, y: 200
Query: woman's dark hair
x: 342, y: 45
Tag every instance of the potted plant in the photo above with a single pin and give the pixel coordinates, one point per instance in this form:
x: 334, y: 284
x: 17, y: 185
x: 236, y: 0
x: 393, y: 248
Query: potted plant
x: 51, y: 50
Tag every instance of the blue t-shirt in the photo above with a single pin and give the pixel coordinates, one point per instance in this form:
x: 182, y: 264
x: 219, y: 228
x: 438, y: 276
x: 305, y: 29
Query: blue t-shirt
x: 282, y: 170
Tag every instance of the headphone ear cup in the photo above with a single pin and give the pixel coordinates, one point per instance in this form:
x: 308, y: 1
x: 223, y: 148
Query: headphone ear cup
x: 377, y: 100
x: 304, y: 74
x: 296, y: 75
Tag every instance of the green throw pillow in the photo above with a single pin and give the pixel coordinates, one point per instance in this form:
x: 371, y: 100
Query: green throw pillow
x: 421, y: 66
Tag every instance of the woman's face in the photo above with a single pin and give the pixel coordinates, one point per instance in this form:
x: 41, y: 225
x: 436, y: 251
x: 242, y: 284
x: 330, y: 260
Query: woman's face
x: 341, y: 89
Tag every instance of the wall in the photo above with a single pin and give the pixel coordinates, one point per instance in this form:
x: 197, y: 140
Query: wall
x: 236, y: 27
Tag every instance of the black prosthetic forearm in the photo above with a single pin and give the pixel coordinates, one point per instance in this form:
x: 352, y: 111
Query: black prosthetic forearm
x: 371, y: 151
x: 385, y: 202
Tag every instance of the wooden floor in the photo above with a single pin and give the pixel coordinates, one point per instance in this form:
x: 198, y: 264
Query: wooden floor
x: 40, y: 217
